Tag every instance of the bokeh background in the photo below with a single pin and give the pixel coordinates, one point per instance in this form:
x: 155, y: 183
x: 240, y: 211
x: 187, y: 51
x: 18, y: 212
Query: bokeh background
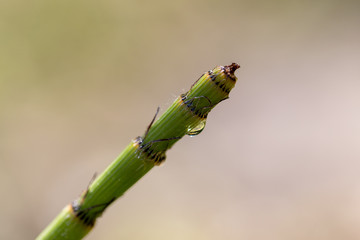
x: 278, y: 160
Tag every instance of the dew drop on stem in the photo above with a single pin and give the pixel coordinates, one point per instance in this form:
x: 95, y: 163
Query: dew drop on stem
x: 194, y: 130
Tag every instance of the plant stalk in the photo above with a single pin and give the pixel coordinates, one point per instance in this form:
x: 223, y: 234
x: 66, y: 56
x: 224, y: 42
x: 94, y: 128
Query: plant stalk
x: 186, y: 116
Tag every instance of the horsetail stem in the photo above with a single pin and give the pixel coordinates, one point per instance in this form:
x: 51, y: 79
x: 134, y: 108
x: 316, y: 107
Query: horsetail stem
x: 186, y: 116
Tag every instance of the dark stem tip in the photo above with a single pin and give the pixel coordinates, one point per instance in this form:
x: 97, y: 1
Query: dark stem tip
x: 233, y: 67
x: 229, y: 70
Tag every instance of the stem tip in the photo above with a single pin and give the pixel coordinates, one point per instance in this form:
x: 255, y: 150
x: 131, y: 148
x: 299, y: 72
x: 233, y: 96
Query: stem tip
x: 229, y: 70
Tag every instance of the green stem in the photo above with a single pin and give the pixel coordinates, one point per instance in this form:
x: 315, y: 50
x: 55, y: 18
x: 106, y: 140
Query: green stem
x: 187, y: 115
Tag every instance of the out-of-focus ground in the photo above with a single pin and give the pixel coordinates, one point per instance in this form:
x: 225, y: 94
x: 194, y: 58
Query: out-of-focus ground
x: 279, y: 160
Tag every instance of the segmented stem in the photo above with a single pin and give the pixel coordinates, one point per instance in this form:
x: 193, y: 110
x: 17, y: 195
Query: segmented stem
x: 187, y: 115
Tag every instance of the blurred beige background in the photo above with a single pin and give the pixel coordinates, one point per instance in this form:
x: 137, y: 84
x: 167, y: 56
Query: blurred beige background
x: 278, y: 160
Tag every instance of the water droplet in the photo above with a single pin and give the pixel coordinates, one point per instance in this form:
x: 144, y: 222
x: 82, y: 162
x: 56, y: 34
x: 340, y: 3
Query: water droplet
x: 194, y: 130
